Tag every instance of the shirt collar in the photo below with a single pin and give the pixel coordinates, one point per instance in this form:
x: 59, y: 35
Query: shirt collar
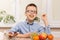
x: 29, y: 23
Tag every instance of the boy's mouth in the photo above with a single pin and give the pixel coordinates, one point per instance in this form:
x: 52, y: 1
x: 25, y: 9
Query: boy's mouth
x: 31, y: 16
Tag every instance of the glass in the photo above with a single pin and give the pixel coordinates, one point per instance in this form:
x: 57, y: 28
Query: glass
x: 31, y: 11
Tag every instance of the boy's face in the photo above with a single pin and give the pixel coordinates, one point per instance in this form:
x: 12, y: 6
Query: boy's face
x: 31, y: 12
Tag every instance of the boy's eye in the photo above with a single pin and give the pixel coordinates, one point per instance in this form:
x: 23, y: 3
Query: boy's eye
x: 31, y: 11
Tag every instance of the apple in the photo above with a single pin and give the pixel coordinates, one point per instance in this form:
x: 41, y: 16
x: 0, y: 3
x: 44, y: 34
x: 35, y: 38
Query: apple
x: 42, y: 36
x: 50, y: 37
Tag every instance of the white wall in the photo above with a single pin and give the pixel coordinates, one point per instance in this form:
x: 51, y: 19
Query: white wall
x: 8, y: 5
x: 56, y: 9
x: 53, y: 13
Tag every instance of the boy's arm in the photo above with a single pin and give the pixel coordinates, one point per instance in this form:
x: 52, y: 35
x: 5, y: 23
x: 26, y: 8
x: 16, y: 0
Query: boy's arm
x: 44, y: 18
x: 47, y: 28
x: 27, y: 35
x: 11, y: 35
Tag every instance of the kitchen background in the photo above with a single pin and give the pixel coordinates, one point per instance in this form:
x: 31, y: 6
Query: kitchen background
x: 12, y: 12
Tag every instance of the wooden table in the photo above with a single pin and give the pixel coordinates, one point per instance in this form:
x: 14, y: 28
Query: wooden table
x: 6, y: 38
x: 30, y: 39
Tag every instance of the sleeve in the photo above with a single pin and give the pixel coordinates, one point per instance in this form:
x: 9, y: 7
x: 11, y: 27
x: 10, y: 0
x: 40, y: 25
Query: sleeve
x: 47, y: 29
x: 41, y: 29
x: 14, y: 29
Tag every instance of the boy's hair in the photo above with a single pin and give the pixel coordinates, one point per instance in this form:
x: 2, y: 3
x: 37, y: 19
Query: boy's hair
x: 31, y: 4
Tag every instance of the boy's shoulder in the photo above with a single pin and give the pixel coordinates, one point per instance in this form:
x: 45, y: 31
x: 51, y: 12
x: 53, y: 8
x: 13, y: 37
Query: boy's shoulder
x: 38, y: 24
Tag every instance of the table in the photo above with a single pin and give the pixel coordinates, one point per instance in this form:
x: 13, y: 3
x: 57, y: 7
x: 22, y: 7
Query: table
x: 30, y: 39
x: 5, y: 37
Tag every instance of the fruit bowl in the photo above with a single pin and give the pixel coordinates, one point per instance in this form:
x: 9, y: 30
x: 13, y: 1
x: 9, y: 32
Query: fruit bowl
x: 41, y: 36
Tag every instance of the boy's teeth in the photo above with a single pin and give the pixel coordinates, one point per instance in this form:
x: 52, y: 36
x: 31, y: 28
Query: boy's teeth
x: 31, y: 16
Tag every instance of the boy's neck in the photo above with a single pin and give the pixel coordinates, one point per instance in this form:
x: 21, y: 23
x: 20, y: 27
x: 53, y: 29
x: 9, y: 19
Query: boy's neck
x: 30, y: 21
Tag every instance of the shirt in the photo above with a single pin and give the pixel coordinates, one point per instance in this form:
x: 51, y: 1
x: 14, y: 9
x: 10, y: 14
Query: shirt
x: 24, y: 27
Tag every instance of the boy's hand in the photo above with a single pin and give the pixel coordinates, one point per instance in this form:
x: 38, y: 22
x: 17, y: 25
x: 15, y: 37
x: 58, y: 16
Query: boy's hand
x: 10, y: 35
x: 44, y: 18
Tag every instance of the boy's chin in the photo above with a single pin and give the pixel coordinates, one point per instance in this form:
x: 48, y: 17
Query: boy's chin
x: 31, y: 19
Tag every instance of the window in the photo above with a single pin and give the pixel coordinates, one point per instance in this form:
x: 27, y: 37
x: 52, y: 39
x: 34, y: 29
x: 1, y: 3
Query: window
x: 7, y: 11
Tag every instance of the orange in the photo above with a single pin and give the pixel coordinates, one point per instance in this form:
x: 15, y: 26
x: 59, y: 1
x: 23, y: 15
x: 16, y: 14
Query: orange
x: 35, y: 38
x: 50, y: 37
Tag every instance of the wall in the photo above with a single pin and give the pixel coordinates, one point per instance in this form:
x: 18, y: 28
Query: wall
x: 56, y: 9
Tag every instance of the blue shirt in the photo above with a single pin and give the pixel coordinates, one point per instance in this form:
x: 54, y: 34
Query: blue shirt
x: 25, y: 27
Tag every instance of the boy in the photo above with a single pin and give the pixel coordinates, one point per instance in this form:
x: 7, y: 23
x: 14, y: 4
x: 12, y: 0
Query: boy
x: 28, y: 26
